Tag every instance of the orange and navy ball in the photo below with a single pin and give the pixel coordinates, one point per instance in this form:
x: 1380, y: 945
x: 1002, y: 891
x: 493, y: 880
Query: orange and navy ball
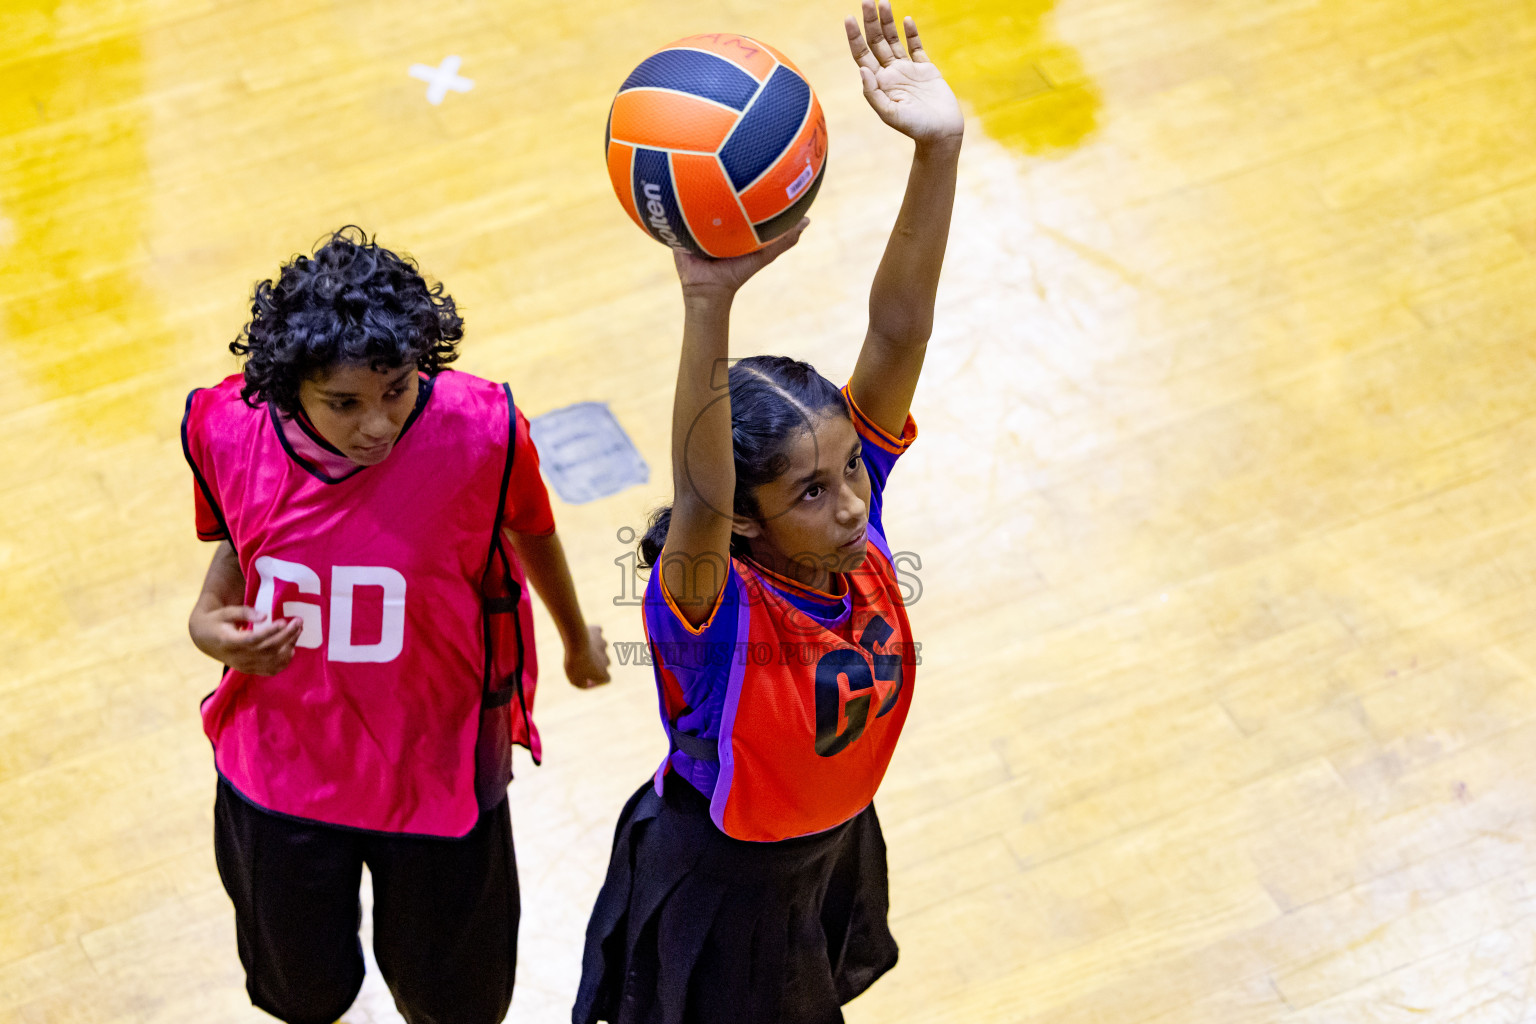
x: 716, y: 145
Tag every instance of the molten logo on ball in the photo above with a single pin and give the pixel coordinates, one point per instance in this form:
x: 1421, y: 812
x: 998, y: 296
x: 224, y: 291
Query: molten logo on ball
x: 716, y: 145
x: 658, y: 214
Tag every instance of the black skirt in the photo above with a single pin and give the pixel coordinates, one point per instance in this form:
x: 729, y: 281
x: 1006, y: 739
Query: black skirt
x: 694, y: 927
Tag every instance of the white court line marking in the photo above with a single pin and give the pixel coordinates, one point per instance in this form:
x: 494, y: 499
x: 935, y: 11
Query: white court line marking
x: 442, y: 78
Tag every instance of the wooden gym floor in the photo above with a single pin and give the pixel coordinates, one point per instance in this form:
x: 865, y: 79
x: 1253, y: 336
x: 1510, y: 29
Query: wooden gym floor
x: 1228, y: 702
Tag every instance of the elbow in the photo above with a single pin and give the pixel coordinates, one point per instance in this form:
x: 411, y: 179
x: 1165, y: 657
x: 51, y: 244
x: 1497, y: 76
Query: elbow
x: 907, y: 335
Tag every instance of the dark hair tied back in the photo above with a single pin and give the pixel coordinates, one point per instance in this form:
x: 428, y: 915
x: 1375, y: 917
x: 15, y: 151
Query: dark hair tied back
x: 772, y: 400
x: 354, y: 302
x: 655, y: 536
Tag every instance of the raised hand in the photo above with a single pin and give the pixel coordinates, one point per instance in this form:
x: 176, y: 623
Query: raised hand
x: 902, y: 85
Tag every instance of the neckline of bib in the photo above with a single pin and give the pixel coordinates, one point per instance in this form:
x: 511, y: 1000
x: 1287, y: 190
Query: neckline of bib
x: 423, y: 396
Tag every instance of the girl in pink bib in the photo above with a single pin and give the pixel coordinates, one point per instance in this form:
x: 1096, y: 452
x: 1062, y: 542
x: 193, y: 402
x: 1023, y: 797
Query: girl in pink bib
x: 378, y: 518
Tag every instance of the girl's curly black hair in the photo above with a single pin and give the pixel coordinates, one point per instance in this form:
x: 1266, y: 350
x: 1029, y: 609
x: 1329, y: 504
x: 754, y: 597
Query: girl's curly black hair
x: 355, y: 302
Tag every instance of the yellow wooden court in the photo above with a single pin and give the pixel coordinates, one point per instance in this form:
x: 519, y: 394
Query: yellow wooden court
x: 1222, y: 499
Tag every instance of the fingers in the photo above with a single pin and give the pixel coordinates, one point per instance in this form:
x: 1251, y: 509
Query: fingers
x: 880, y: 43
x: 278, y: 651
x: 600, y: 654
x: 286, y: 635
x: 789, y: 238
x: 776, y: 248
x: 275, y: 658
x: 857, y: 46
x: 875, y: 33
x: 889, y: 31
x: 589, y: 680
x: 237, y: 613
x: 914, y: 44
x: 756, y: 261
x: 266, y: 637
x: 258, y: 634
x: 245, y: 626
x: 263, y: 651
x: 873, y: 94
x: 586, y: 672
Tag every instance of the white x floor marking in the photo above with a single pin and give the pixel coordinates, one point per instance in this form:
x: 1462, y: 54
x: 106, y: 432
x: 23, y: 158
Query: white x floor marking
x: 441, y: 79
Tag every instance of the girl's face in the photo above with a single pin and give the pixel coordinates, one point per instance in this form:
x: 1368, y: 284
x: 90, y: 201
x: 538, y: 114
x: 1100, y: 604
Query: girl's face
x: 815, y: 515
x: 360, y: 410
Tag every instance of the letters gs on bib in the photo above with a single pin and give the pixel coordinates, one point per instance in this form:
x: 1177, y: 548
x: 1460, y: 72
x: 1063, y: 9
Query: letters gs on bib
x: 861, y: 674
x: 346, y: 581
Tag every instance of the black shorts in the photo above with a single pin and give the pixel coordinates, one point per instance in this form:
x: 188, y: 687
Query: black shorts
x: 445, y: 914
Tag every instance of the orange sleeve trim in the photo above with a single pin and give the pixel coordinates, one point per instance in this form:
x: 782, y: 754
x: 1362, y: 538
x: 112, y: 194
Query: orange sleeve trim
x: 795, y: 586
x: 875, y: 434
x: 683, y: 619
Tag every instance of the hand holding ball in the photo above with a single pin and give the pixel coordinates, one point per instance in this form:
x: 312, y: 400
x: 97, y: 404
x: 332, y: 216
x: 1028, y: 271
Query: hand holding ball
x: 716, y: 145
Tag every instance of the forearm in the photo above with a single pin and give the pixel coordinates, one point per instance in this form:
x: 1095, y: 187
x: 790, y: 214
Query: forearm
x: 224, y: 583
x: 543, y: 560
x: 703, y: 470
x: 901, y: 301
x: 232, y: 634
x: 223, y: 589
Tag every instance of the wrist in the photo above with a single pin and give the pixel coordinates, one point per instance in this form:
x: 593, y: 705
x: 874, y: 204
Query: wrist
x: 943, y: 147
x: 708, y: 298
x: 573, y: 634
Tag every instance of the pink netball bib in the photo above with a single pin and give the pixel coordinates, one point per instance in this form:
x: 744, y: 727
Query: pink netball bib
x: 415, y: 669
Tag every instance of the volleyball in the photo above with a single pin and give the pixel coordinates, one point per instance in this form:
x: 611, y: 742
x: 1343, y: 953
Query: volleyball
x: 716, y: 145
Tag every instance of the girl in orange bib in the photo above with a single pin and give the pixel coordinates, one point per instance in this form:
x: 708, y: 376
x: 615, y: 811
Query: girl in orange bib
x: 748, y: 878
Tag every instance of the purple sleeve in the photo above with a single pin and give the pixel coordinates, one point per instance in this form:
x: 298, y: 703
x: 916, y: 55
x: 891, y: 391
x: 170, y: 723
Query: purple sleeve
x: 881, y: 450
x: 693, y: 670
